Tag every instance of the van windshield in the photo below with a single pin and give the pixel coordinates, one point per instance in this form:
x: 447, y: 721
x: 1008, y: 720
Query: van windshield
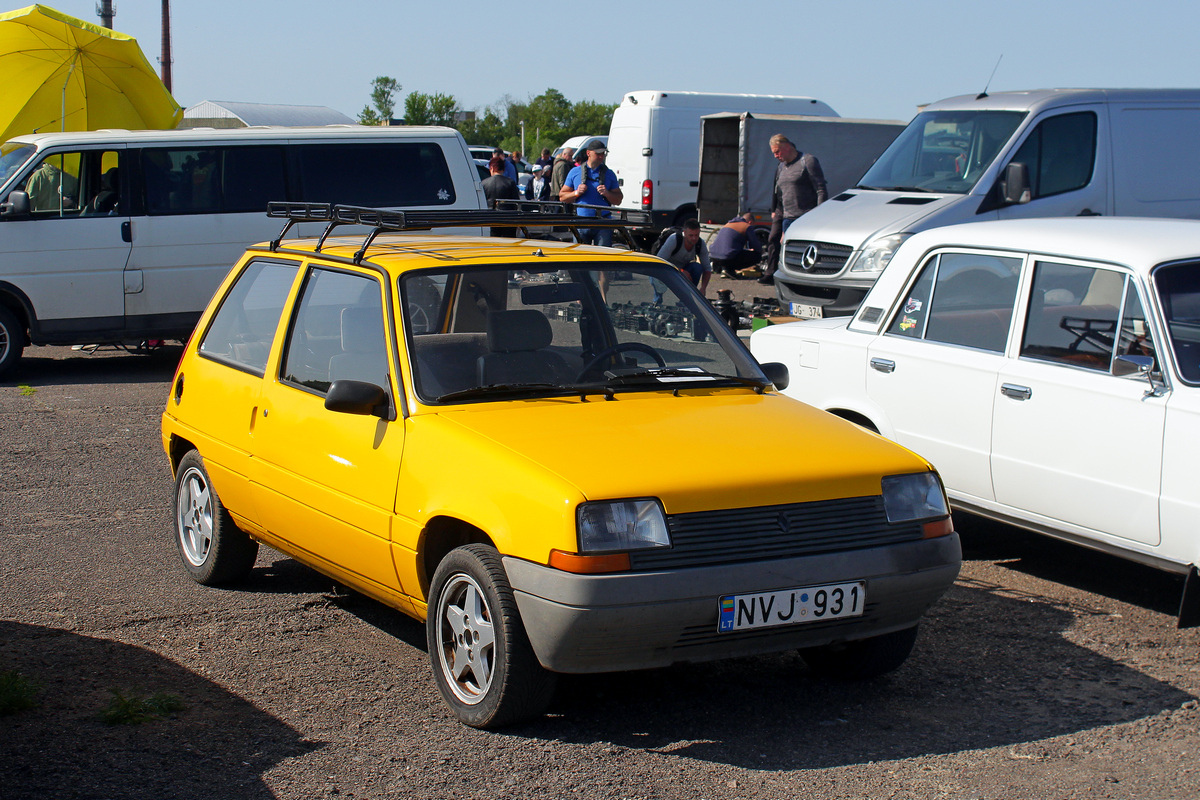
x: 942, y: 151
x: 12, y: 156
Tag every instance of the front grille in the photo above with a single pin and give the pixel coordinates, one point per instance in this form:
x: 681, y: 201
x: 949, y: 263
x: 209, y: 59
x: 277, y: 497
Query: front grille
x: 762, y: 533
x: 824, y: 259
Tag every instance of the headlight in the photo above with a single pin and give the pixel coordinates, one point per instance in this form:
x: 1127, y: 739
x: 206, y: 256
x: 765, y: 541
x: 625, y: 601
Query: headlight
x: 877, y: 253
x: 622, y: 525
x: 909, y: 498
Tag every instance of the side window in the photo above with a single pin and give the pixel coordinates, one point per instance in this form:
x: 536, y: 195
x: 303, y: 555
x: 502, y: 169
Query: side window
x: 375, y: 175
x: 1178, y: 289
x: 337, y: 332
x: 1073, y: 314
x: 243, y: 328
x: 78, y: 184
x: 1060, y: 153
x: 212, y: 180
x: 962, y: 299
x: 1134, y: 338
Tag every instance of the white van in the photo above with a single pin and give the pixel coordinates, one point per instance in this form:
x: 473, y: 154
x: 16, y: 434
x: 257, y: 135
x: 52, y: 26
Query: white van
x: 124, y: 235
x: 1045, y: 153
x: 654, y: 144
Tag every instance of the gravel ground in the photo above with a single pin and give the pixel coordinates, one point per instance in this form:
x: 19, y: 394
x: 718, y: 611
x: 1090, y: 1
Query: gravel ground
x: 1046, y: 672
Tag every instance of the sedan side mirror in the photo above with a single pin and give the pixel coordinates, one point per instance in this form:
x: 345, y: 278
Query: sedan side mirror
x: 777, y: 374
x: 1138, y: 365
x: 357, y: 397
x: 17, y: 205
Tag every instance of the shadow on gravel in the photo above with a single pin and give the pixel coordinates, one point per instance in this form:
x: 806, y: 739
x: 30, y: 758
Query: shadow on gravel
x: 61, y: 749
x: 62, y: 366
x: 1069, y: 564
x: 970, y: 684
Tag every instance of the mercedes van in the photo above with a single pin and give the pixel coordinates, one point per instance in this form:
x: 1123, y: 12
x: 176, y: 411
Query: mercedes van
x: 1044, y: 153
x: 654, y: 144
x: 122, y: 236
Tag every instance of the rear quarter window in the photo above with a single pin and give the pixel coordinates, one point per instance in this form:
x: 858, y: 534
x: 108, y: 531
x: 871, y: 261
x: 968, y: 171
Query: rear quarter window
x: 382, y: 175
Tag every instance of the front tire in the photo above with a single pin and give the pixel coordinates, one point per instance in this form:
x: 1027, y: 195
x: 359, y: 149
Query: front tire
x: 213, y: 549
x: 12, y: 341
x: 862, y: 659
x: 482, y: 661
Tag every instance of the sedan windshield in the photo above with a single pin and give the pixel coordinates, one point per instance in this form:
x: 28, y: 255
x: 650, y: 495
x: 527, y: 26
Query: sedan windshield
x: 521, y: 330
x: 943, y: 151
x: 1178, y: 288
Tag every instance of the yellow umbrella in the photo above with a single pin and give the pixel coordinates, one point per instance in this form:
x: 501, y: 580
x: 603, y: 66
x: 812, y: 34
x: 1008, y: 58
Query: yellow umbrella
x: 63, y: 74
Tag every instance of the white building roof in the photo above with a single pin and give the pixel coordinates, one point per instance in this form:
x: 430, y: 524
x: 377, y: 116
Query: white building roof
x: 251, y: 114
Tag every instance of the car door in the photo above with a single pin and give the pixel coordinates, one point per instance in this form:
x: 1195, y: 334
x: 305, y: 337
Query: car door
x: 934, y: 369
x: 1061, y: 153
x: 325, y: 480
x: 201, y: 206
x: 1072, y: 442
x: 68, y: 255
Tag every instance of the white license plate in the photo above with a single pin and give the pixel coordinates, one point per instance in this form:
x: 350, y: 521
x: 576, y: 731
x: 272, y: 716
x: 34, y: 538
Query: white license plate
x: 739, y: 612
x: 805, y: 311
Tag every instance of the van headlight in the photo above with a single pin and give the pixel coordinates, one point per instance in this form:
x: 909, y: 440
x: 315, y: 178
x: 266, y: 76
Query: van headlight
x: 877, y: 253
x: 913, y: 498
x: 622, y: 525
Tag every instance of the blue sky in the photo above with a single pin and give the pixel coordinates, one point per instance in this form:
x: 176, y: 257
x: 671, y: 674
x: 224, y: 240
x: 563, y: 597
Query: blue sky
x: 875, y: 59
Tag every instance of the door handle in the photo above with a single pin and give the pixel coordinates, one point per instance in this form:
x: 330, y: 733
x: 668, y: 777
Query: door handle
x: 126, y: 231
x: 1016, y: 392
x: 1087, y: 212
x: 883, y: 365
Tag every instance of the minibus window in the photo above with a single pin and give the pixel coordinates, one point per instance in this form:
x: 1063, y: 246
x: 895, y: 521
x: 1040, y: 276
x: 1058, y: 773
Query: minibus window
x: 375, y: 175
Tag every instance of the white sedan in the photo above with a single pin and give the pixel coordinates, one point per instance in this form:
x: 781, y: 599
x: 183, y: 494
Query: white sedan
x: 1049, y: 368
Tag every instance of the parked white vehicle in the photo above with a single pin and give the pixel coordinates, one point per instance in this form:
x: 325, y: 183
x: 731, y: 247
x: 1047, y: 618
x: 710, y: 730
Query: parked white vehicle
x: 1050, y: 370
x: 576, y: 142
x: 1010, y: 155
x: 124, y: 235
x: 654, y: 144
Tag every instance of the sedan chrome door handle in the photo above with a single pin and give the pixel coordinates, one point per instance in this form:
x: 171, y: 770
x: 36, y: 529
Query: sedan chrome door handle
x: 1016, y: 392
x: 883, y: 365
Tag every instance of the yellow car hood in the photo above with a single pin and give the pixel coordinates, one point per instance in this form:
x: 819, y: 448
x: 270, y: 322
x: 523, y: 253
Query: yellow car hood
x: 698, y: 451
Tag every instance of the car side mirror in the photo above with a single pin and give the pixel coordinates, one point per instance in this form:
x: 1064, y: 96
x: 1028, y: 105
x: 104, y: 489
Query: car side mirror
x: 17, y: 205
x: 1142, y: 366
x: 357, y: 397
x: 1015, y: 186
x: 777, y: 374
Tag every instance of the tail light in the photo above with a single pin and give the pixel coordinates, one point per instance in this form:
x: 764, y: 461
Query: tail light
x: 647, y: 194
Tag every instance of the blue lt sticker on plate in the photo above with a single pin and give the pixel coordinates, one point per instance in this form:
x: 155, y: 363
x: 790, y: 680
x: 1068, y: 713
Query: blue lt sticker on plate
x: 791, y: 606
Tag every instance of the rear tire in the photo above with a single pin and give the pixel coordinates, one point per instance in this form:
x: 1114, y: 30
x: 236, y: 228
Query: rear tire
x: 862, y: 659
x: 213, y: 549
x: 482, y: 661
x: 12, y: 341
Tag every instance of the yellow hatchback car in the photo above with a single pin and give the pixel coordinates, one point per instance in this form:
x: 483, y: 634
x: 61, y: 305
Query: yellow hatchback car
x: 557, y: 456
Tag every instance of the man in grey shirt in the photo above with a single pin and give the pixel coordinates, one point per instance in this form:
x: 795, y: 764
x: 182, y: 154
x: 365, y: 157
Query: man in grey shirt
x: 688, y: 254
x: 799, y: 187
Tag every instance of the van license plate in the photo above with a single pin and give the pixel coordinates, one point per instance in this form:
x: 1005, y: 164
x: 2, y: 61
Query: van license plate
x: 805, y: 311
x: 739, y: 612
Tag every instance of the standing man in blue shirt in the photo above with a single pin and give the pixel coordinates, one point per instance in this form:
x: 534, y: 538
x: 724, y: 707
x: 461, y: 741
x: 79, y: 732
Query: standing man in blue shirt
x: 592, y: 183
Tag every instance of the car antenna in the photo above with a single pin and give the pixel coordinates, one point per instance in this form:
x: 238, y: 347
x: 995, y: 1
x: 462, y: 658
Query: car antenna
x: 984, y: 93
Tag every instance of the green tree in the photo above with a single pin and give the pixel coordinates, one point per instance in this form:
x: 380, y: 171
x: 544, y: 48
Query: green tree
x: 383, y: 100
x: 429, y: 109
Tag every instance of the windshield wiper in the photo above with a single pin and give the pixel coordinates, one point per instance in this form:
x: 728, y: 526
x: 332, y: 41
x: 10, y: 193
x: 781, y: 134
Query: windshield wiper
x: 909, y: 189
x: 505, y: 389
x: 868, y: 188
x: 655, y: 376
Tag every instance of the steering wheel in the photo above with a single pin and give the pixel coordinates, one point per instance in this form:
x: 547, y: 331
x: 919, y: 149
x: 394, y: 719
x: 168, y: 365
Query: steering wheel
x: 617, y: 348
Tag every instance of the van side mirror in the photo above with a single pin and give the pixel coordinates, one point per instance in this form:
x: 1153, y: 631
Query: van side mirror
x: 17, y: 205
x: 1015, y: 186
x: 777, y: 374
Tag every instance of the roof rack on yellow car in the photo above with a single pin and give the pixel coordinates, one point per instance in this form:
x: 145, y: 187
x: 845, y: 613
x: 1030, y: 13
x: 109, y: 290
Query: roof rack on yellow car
x: 522, y: 214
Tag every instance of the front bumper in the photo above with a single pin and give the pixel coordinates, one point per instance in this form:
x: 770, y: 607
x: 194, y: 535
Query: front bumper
x: 608, y: 623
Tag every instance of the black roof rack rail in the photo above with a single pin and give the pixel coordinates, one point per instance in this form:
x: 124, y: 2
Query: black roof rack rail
x: 522, y: 214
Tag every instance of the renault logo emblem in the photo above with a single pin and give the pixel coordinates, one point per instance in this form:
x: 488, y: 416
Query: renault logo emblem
x: 809, y: 260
